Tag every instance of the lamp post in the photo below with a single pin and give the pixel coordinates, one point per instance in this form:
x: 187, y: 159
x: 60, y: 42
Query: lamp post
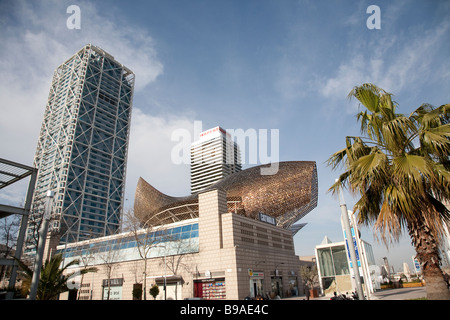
x: 165, y: 272
x: 41, y: 246
x: 351, y: 245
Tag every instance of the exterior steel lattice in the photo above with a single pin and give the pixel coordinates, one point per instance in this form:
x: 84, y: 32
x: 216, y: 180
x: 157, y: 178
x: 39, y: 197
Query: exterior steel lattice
x: 287, y: 196
x: 82, y: 147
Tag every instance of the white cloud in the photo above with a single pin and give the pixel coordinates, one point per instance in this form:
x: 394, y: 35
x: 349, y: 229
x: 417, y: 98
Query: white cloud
x: 149, y: 154
x: 38, y: 42
x: 130, y: 45
x: 348, y: 75
x: 15, y: 194
x: 393, y: 64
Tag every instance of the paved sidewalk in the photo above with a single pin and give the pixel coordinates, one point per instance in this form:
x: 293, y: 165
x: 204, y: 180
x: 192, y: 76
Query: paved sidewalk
x: 387, y: 294
x: 400, y: 294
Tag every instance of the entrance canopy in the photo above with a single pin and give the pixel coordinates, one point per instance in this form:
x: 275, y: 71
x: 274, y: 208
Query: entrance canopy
x: 11, y: 172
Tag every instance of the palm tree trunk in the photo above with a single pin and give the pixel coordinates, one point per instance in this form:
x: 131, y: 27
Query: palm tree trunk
x: 427, y: 253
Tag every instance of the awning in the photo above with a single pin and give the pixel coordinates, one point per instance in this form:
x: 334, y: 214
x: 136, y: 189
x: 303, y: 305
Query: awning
x: 169, y: 280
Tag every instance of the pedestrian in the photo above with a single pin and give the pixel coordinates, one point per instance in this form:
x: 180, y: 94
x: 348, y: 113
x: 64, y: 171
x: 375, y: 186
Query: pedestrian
x: 447, y: 279
x: 307, y: 293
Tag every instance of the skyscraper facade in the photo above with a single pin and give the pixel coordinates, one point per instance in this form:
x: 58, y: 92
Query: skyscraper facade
x: 214, y: 156
x: 82, y: 148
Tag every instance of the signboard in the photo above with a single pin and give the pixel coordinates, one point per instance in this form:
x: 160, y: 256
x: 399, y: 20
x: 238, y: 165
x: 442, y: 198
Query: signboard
x: 254, y: 274
x: 356, y: 248
x: 115, y: 293
x: 113, y: 282
x: 268, y: 219
x: 114, y: 288
x: 416, y: 263
x: 354, y: 239
x: 212, y: 133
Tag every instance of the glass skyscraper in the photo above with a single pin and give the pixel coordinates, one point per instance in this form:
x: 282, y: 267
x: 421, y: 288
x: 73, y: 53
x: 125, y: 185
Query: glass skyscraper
x: 82, y: 148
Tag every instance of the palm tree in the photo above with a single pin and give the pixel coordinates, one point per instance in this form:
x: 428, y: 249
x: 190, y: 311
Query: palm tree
x: 52, y: 281
x: 400, y: 171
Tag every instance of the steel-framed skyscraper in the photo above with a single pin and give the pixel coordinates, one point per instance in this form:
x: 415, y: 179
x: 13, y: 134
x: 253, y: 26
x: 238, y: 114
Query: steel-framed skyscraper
x: 82, y: 148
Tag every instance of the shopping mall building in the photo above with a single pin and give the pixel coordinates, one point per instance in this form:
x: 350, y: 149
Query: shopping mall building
x: 230, y: 241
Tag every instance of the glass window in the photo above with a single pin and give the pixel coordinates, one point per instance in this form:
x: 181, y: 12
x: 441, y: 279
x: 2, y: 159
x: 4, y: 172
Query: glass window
x: 161, y: 236
x: 325, y: 262
x: 175, y: 237
x: 340, y: 260
x: 160, y: 233
x: 194, y: 234
x: 185, y: 235
x: 176, y: 230
x: 369, y: 254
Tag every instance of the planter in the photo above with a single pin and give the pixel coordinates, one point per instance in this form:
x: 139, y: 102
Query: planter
x: 412, y: 284
x: 313, y: 293
x: 401, y: 285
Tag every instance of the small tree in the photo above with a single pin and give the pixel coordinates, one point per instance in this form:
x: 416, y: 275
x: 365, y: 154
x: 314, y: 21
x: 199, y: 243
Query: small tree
x: 154, y: 291
x: 309, y: 276
x: 175, y: 255
x: 145, y: 241
x: 85, y: 260
x: 109, y: 258
x: 9, y: 228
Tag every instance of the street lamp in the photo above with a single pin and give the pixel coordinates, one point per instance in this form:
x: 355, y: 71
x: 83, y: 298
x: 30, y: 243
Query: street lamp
x: 41, y: 246
x: 351, y: 245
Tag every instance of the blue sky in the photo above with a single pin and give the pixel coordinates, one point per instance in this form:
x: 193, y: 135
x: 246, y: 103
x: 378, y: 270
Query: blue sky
x: 285, y: 65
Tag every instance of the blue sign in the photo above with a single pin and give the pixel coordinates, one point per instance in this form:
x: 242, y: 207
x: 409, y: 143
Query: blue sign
x: 416, y: 265
x: 356, y: 248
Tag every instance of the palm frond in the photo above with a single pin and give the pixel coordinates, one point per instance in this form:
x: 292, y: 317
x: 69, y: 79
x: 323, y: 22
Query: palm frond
x: 436, y: 139
x: 388, y: 224
x: 395, y: 134
x: 397, y: 164
x: 411, y: 168
x: 372, y: 164
x: 368, y: 94
x: 28, y: 272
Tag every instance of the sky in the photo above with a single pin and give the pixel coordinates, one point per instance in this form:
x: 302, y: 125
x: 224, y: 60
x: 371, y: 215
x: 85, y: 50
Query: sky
x: 276, y: 65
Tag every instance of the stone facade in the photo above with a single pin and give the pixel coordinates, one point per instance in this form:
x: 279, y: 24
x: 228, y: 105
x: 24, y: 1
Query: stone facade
x: 236, y: 257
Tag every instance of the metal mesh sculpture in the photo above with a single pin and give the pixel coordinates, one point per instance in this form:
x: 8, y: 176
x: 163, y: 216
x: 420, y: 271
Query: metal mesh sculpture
x: 287, y: 196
